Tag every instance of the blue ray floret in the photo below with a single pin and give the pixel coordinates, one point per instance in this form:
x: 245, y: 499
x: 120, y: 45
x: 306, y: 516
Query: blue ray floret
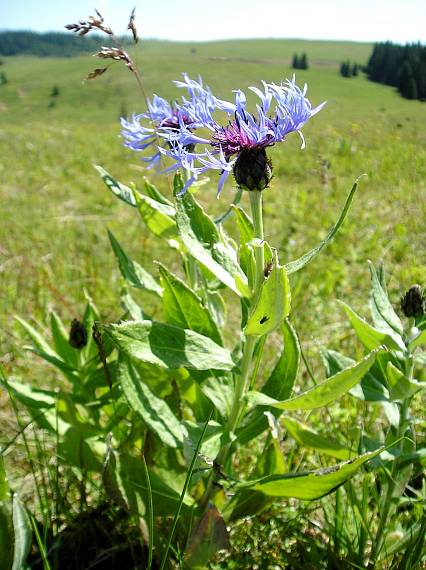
x: 244, y: 138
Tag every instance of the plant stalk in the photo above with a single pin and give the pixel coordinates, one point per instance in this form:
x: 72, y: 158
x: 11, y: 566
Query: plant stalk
x: 244, y: 380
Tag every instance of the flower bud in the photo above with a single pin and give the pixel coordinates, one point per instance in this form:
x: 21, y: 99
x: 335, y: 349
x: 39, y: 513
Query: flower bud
x: 253, y: 169
x: 78, y: 334
x: 413, y: 302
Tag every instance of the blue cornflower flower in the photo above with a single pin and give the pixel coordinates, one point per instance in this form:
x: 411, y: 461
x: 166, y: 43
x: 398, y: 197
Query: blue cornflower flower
x: 163, y: 120
x: 239, y: 146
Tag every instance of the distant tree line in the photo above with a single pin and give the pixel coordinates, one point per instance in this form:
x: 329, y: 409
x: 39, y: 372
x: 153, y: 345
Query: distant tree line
x: 349, y: 69
x: 300, y: 61
x: 403, y: 67
x: 59, y: 44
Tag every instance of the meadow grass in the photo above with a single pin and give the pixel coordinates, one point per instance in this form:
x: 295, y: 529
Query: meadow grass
x: 54, y: 209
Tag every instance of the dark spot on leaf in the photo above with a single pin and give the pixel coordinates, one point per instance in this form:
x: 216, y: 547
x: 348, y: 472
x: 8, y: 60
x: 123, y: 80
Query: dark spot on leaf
x: 264, y: 319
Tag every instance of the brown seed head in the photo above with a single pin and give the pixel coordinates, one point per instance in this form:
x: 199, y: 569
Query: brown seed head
x: 96, y: 72
x: 132, y: 26
x: 118, y: 54
x: 83, y: 27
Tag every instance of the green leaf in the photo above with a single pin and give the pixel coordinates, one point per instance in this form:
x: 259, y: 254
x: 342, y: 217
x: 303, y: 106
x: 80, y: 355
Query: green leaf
x: 206, y: 242
x: 6, y: 537
x: 85, y: 453
x: 38, y: 339
x: 217, y: 307
x: 159, y: 217
x: 132, y: 308
x: 401, y: 387
x: 273, y: 303
x: 418, y: 340
x: 61, y: 341
x: 4, y: 487
x: 278, y: 386
x: 310, y: 485
x: 132, y: 272
x: 32, y: 397
x: 152, y: 192
x: 22, y: 533
x: 122, y: 192
x: 153, y: 410
x: 371, y: 337
x: 183, y: 307
x: 131, y: 485
x: 168, y: 346
x: 281, y: 381
x: 327, y: 391
x: 298, y: 264
x: 66, y: 369
x: 308, y: 437
x: 220, y: 391
x: 383, y: 313
x: 370, y: 389
x: 245, y: 225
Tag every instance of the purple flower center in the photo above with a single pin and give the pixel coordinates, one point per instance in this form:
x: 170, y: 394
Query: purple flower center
x: 235, y: 138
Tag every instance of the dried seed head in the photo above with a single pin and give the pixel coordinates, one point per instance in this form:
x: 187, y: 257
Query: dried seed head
x: 132, y: 26
x: 253, y: 169
x: 83, y: 27
x: 118, y: 54
x: 96, y: 72
x: 78, y: 334
x: 413, y: 303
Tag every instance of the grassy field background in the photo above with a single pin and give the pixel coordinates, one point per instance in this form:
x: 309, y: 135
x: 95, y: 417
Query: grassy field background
x: 54, y: 210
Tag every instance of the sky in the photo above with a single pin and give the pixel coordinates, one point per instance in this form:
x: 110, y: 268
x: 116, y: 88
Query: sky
x: 197, y: 20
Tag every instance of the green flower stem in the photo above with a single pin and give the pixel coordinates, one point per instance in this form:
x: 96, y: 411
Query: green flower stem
x: 243, y: 381
x: 256, y: 210
x: 387, y: 505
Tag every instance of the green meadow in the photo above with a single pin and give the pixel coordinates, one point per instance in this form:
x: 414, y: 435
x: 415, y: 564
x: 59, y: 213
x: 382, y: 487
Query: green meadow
x: 55, y: 210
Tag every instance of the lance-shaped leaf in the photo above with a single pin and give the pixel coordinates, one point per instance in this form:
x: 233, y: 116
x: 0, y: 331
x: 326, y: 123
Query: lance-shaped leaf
x: 183, y: 307
x: 369, y: 389
x: 153, y: 410
x: 132, y: 272
x: 153, y: 192
x: 4, y: 487
x: 122, y: 192
x: 245, y: 224
x: 6, y: 536
x: 310, y: 485
x: 168, y: 346
x: 273, y: 304
x: 61, y: 341
x: 206, y: 242
x: 307, y: 437
x: 322, y: 394
x: 22, y: 533
x: 381, y: 308
x: 401, y: 387
x: 159, y: 217
x: 371, y: 337
x: 305, y: 259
